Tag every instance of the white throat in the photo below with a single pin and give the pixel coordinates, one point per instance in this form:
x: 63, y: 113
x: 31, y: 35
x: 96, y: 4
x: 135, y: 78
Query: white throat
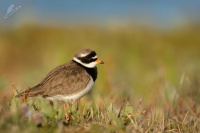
x: 90, y: 65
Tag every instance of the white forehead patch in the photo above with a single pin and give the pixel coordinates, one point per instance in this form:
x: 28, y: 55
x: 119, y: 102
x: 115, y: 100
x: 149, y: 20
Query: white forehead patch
x: 83, y: 55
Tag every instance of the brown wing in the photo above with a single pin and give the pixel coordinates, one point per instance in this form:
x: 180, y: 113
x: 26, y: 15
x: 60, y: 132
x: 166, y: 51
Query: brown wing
x: 65, y: 79
x: 66, y: 82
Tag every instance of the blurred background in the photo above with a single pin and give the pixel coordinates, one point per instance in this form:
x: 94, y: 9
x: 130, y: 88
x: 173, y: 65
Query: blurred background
x: 150, y: 48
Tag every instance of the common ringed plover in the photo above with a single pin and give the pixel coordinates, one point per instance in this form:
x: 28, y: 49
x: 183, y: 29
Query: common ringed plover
x: 70, y: 81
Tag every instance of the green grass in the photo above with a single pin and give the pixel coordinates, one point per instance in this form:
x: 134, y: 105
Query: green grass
x: 38, y: 115
x: 149, y: 83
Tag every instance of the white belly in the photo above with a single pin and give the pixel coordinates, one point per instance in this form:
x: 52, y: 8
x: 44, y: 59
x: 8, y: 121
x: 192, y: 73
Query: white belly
x: 74, y: 97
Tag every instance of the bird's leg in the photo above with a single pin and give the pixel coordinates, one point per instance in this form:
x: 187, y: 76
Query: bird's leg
x: 70, y: 104
x: 66, y: 114
x: 64, y: 107
x: 70, y: 115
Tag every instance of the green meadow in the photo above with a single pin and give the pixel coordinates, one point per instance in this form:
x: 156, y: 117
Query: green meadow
x: 150, y: 81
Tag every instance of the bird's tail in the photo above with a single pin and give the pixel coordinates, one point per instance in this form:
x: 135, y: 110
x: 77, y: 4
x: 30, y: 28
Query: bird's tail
x: 25, y: 93
x: 31, y: 92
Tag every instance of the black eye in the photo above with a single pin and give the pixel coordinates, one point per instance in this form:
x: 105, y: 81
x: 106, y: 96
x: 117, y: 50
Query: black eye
x: 87, y: 57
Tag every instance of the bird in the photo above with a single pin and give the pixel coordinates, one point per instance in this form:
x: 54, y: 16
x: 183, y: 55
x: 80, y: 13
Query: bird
x: 70, y: 81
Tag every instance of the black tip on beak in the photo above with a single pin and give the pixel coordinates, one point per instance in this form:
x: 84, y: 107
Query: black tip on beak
x: 101, y: 62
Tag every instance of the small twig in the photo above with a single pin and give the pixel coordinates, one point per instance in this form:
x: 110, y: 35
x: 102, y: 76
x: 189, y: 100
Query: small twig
x: 77, y: 105
x: 123, y: 104
x: 13, y: 88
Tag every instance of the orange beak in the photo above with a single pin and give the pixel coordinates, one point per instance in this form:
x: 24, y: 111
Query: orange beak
x: 99, y: 61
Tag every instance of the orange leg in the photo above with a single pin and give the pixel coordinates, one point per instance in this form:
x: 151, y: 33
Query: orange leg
x: 66, y: 114
x: 70, y: 104
x: 64, y: 107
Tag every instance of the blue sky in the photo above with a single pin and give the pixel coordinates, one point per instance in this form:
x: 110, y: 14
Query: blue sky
x: 159, y: 13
